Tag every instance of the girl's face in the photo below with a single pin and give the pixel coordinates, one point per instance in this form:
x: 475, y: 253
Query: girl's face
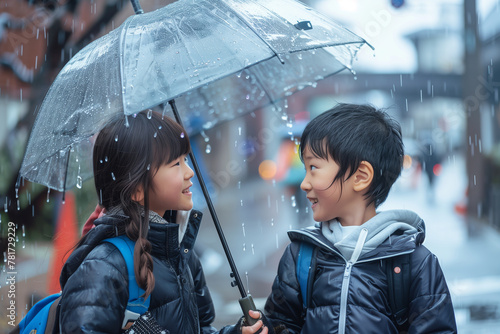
x: 328, y: 200
x: 170, y: 188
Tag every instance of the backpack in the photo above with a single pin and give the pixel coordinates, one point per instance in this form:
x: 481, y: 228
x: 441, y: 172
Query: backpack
x: 398, y: 281
x: 43, y: 316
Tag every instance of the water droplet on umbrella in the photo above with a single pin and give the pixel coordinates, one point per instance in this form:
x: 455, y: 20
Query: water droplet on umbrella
x: 113, y: 176
x: 150, y: 114
x: 79, y: 182
x: 208, y: 149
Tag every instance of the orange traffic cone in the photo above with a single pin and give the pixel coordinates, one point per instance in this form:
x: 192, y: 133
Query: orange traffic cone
x: 65, y: 238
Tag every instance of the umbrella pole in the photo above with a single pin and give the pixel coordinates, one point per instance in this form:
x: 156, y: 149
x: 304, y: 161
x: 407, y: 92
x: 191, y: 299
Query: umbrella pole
x: 246, y: 301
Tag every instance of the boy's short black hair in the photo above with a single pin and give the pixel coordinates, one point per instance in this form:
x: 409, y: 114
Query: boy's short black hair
x: 351, y: 133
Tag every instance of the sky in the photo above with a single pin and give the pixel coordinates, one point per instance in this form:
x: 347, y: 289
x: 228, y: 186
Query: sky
x: 385, y: 27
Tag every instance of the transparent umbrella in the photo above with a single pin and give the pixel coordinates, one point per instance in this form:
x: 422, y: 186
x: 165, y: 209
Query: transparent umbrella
x: 217, y: 58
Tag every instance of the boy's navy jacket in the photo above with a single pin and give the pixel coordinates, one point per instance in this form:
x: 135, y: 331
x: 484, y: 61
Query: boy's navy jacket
x: 352, y: 296
x: 95, y: 285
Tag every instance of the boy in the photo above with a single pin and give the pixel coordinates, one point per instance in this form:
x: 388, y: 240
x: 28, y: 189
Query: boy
x: 352, y: 155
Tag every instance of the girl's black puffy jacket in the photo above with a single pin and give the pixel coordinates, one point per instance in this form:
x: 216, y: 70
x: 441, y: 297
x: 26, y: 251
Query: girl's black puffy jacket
x: 353, y: 298
x: 95, y: 282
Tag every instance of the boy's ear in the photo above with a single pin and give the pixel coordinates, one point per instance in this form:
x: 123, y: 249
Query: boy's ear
x: 363, y: 176
x: 138, y: 195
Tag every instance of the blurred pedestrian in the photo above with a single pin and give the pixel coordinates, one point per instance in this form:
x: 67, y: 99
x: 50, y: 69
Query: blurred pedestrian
x: 353, y: 154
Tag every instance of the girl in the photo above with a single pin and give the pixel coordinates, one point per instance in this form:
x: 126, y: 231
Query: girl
x: 143, y: 183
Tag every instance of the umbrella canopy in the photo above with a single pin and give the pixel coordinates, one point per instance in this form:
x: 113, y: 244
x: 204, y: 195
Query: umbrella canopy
x: 217, y: 58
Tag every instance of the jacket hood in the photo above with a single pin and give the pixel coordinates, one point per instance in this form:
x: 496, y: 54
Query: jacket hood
x: 386, y: 234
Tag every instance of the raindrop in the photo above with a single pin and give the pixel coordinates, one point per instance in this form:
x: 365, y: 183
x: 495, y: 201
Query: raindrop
x: 127, y: 125
x: 17, y: 192
x: 244, y: 247
x: 239, y: 184
x: 149, y: 167
x: 155, y: 135
x: 272, y: 221
x: 277, y: 243
x: 406, y: 104
x: 48, y: 195
x: 246, y: 274
x: 299, y: 56
x: 241, y: 202
x: 18, y: 206
x: 116, y: 138
x: 79, y: 182
x: 150, y: 113
x: 239, y: 130
x: 24, y: 244
x: 100, y: 161
x: 106, y: 158
x: 421, y: 96
x: 182, y: 135
x: 253, y: 250
x: 205, y: 137
x: 113, y: 176
x: 24, y: 233
x: 243, y: 228
x: 208, y: 149
x: 401, y: 80
x: 294, y: 202
x: 4, y: 256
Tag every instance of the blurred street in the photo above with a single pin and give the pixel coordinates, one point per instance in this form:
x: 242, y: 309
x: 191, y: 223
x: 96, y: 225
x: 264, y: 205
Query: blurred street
x: 466, y: 249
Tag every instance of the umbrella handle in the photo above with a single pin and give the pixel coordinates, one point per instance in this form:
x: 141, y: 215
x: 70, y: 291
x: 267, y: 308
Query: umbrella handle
x: 247, y: 304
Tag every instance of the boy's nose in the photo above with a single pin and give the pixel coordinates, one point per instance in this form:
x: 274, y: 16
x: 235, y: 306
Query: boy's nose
x: 305, y: 186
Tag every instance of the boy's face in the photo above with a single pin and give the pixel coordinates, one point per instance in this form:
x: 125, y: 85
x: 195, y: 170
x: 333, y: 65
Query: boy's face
x: 327, y: 199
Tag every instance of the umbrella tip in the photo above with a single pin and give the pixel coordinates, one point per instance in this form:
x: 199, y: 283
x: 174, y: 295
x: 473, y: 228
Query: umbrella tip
x: 137, y: 7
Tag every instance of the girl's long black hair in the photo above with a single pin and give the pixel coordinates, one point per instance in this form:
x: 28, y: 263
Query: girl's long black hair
x: 127, y: 153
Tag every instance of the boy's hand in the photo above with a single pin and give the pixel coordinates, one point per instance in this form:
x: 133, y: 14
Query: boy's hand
x: 255, y: 327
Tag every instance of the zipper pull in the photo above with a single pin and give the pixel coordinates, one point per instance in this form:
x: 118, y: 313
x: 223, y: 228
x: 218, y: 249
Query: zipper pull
x: 347, y: 271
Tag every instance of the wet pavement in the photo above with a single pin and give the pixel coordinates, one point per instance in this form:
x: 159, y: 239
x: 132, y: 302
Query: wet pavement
x: 256, y: 215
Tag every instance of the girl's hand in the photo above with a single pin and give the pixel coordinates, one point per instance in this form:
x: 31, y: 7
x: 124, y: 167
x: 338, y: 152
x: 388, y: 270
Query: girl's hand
x: 255, y: 327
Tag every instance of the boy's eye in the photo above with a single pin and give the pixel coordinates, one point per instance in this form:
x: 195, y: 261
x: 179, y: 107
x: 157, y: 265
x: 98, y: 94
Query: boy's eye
x: 312, y: 167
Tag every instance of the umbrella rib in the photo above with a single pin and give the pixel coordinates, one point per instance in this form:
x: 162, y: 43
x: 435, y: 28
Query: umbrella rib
x: 258, y: 35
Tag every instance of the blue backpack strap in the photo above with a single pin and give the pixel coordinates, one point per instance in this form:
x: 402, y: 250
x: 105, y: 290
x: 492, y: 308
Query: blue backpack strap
x: 136, y: 303
x: 303, y: 268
